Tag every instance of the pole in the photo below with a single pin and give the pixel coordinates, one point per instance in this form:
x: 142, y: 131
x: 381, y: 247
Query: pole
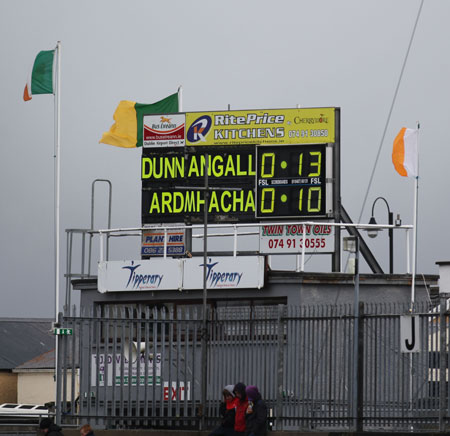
x: 442, y: 362
x: 205, y: 296
x: 414, y: 256
x: 416, y: 195
x: 357, y: 380
x: 391, y: 243
x: 57, y: 171
x: 180, y: 99
x: 391, y: 231
x: 57, y: 182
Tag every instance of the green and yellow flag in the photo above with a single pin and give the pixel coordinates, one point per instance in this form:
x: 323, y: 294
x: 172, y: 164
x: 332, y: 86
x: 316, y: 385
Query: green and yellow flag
x: 127, y: 131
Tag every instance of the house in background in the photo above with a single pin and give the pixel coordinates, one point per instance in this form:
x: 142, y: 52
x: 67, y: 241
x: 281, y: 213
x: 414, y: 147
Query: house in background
x: 36, y: 383
x: 35, y: 379
x: 21, y: 339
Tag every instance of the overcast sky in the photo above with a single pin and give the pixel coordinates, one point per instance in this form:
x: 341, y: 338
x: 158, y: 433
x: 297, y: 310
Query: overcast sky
x: 249, y: 54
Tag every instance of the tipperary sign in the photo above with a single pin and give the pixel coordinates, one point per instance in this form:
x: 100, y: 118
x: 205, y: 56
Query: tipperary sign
x: 262, y: 164
x: 155, y: 274
x: 159, y: 274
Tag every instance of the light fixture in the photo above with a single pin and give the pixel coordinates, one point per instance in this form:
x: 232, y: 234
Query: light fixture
x: 373, y: 232
x: 349, y: 244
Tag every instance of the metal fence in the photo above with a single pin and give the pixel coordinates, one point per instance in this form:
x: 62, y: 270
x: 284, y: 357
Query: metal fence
x: 142, y: 367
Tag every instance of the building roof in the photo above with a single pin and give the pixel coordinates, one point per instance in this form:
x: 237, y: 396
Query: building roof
x: 22, y: 339
x: 43, y: 361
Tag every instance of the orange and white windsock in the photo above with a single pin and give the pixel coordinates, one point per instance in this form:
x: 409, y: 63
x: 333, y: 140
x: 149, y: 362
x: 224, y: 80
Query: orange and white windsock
x: 405, y: 152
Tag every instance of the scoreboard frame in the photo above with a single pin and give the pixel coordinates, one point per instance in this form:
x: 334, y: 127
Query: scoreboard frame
x: 304, y: 187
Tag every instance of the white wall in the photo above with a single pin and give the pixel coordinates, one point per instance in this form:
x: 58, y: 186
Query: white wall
x: 40, y: 387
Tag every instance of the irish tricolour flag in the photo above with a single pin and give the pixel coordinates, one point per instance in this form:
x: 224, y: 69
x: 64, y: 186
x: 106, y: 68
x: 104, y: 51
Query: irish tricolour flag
x: 405, y: 152
x: 41, y: 80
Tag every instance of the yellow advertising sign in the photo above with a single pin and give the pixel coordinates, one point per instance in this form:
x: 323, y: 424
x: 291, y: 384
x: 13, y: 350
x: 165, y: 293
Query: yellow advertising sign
x: 266, y: 127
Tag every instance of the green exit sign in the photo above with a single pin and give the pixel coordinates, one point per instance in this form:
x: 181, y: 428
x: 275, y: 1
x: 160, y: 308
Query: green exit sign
x: 64, y: 332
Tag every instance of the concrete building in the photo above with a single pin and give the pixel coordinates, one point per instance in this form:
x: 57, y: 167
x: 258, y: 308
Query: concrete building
x: 281, y: 287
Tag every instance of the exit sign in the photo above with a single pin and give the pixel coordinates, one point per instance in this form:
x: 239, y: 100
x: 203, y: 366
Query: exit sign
x: 64, y: 332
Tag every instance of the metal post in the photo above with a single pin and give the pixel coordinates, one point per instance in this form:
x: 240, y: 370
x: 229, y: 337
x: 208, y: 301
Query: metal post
x: 92, y: 218
x: 58, y: 375
x: 280, y: 369
x: 442, y: 362
x: 391, y: 231
x: 391, y: 243
x: 360, y: 369
x: 302, y: 267
x: 205, y: 297
x: 357, y: 379
x: 408, y: 260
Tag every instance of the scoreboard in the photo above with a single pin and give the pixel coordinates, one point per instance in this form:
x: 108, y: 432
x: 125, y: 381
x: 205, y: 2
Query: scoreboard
x: 291, y: 181
x: 288, y: 172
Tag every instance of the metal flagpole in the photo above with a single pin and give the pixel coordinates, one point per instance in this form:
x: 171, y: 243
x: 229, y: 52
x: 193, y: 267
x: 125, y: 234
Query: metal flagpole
x: 180, y: 99
x: 57, y: 171
x: 416, y: 194
x: 57, y: 214
x: 414, y: 265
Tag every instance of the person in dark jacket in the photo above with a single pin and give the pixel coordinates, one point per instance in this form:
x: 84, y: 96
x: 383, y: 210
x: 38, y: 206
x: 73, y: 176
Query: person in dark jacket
x: 50, y: 429
x: 227, y: 413
x: 241, y: 407
x: 256, y: 414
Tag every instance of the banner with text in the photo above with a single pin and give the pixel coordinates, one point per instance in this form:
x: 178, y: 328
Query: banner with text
x: 153, y: 242
x: 224, y: 272
x: 106, y: 365
x: 187, y: 273
x: 140, y: 275
x: 265, y: 126
x: 163, y: 131
x: 289, y: 238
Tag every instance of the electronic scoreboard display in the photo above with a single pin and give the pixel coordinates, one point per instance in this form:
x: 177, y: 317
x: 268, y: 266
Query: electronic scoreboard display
x: 291, y: 181
x: 290, y: 171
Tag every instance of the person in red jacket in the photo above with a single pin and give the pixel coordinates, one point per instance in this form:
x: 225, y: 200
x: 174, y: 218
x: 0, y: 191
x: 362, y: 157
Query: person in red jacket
x: 241, y: 408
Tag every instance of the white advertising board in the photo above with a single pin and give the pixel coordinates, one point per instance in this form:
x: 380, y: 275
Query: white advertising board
x: 154, y: 274
x: 106, y: 365
x: 164, y: 130
x: 289, y: 238
x: 224, y: 272
x: 153, y: 242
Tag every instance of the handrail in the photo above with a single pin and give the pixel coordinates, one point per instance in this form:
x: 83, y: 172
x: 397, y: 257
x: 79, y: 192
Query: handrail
x: 235, y: 234
x: 105, y: 234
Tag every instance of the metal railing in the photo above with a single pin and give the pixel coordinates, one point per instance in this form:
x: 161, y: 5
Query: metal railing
x: 86, y: 265
x: 139, y: 367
